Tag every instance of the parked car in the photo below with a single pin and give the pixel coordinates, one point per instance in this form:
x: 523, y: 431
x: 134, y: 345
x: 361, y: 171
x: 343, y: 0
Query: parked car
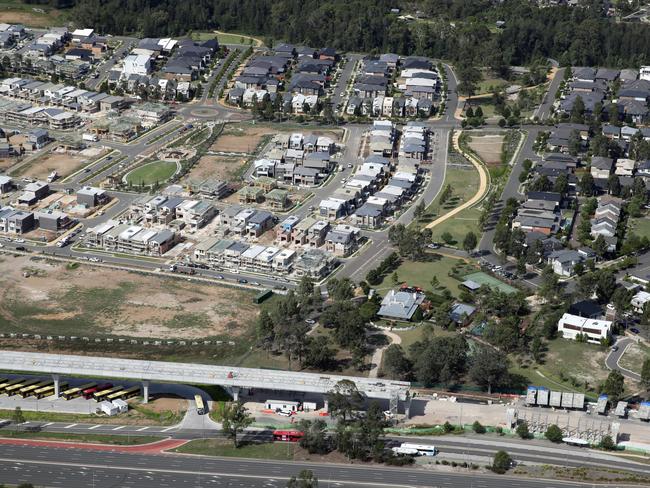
x: 634, y: 330
x: 310, y: 321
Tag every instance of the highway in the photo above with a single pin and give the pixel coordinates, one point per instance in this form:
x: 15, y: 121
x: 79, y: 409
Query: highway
x: 74, y: 468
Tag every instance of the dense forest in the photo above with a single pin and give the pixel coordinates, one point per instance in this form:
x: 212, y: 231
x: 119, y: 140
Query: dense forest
x: 452, y: 29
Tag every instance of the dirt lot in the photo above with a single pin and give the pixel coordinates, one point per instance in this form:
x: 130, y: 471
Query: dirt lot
x: 32, y: 19
x: 246, y: 139
x: 63, y: 163
x: 55, y: 299
x: 488, y: 148
x: 218, y: 167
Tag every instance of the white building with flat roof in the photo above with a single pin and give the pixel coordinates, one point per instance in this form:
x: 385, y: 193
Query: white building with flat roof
x: 569, y: 326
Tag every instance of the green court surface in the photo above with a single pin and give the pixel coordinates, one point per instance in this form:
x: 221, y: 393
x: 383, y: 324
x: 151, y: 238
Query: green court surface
x: 485, y: 279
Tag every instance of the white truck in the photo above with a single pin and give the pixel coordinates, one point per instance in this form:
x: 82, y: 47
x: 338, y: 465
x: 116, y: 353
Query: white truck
x: 90, y: 137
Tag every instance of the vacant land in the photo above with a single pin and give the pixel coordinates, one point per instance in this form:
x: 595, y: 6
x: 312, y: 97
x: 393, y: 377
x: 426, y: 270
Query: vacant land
x: 568, y: 366
x: 152, y: 173
x: 421, y: 274
x: 226, y: 168
x: 226, y: 38
x: 100, y: 301
x: 634, y: 356
x: 487, y: 147
x: 16, y: 12
x: 62, y: 162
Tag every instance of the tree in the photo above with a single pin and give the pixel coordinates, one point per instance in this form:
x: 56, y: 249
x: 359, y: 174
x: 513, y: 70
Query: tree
x: 319, y: 354
x: 553, y: 433
x: 418, y: 211
x: 607, y: 443
x: 489, y: 368
x: 478, y: 428
x: 315, y: 438
x: 614, y: 386
x: 599, y: 245
x: 470, y: 241
x: 587, y: 185
x: 522, y: 430
x: 396, y: 364
x: 447, y: 237
x: 18, y: 417
x: 502, y: 462
x: 344, y: 400
x: 394, y: 278
x: 645, y: 373
x: 236, y: 419
x: 306, y: 479
x: 614, y: 185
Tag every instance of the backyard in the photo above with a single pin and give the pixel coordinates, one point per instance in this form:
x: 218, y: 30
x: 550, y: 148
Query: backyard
x: 639, y: 226
x: 151, y: 173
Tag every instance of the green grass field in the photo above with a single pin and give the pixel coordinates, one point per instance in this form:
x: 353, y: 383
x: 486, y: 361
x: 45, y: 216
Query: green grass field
x: 421, y: 273
x: 34, y: 15
x: 151, y: 173
x: 411, y: 336
x: 464, y: 184
x: 639, y: 226
x: 485, y: 279
x: 220, y: 447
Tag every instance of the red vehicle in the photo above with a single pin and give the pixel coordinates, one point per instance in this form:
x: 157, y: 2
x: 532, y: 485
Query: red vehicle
x: 287, y: 435
x: 88, y: 394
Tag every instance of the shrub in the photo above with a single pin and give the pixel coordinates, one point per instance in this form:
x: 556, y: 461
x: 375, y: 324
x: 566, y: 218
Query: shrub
x: 502, y: 462
x: 478, y: 428
x: 553, y: 433
x: 447, y: 427
x: 522, y: 431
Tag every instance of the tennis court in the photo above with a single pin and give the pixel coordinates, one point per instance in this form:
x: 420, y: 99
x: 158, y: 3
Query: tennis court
x: 485, y: 279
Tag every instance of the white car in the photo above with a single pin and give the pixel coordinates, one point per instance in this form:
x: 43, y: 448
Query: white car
x: 285, y: 413
x: 20, y: 241
x: 94, y: 260
x: 310, y: 321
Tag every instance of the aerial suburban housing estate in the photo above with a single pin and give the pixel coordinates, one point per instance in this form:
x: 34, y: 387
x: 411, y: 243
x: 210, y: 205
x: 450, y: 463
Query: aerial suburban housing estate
x: 286, y: 236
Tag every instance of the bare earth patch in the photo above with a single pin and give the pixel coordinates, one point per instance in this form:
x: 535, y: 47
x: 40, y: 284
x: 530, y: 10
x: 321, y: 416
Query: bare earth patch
x: 237, y: 139
x: 63, y: 163
x: 488, y: 148
x: 91, y: 301
x: 217, y: 167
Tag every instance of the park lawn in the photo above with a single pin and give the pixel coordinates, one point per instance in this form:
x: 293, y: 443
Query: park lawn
x: 567, y: 366
x: 225, y: 448
x: 421, y: 273
x: 151, y: 173
x: 224, y: 37
x: 409, y: 337
x: 634, y: 356
x: 639, y: 226
x: 118, y: 440
x: 464, y: 184
x: 458, y: 226
x: 490, y: 85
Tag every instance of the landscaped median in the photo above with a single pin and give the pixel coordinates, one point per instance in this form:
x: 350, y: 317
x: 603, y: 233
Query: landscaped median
x: 85, y: 442
x: 117, y: 440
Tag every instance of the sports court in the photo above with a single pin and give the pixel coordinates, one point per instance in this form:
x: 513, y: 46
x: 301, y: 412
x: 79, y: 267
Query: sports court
x: 485, y: 279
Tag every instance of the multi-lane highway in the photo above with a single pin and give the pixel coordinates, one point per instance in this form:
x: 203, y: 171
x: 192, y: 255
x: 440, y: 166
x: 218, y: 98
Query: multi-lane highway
x: 72, y: 468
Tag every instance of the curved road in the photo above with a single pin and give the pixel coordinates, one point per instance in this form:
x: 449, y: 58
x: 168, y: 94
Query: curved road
x: 614, y: 356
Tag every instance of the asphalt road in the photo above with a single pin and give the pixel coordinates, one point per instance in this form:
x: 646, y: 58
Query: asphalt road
x: 544, y: 110
x: 77, y: 468
x: 107, y: 65
x: 614, y: 356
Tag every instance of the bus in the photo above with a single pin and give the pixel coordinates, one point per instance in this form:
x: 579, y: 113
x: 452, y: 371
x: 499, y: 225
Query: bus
x: 101, y: 395
x: 408, y: 448
x: 5, y: 383
x: 15, y: 388
x: 47, y: 391
x: 29, y: 390
x: 124, y: 394
x: 71, y: 393
x: 287, y: 435
x: 89, y: 392
x: 200, y: 405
